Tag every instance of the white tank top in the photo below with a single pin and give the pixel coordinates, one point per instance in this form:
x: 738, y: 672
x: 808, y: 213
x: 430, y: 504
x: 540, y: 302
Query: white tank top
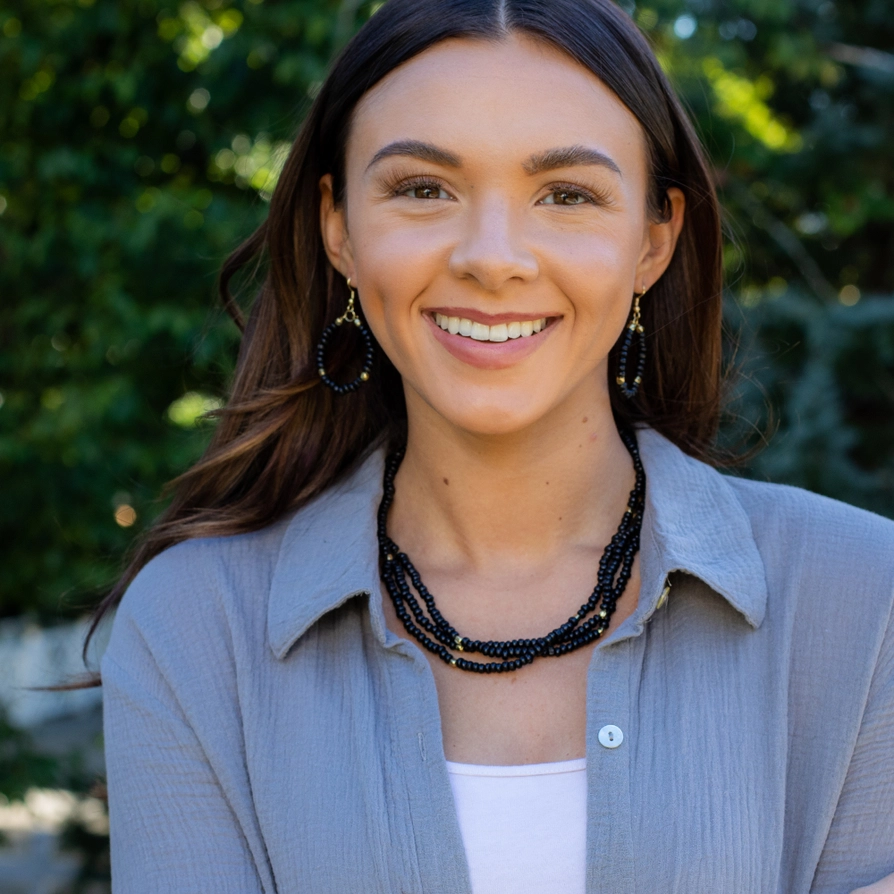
x: 524, y: 827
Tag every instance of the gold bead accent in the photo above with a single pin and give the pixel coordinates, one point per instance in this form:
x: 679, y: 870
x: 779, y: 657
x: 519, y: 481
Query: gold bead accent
x: 664, y: 594
x: 458, y: 642
x: 321, y: 371
x: 389, y: 557
x: 603, y: 614
x: 620, y: 380
x: 453, y: 661
x: 350, y: 315
x: 364, y: 376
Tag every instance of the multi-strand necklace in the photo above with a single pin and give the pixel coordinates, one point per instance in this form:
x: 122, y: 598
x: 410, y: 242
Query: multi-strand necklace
x: 437, y: 635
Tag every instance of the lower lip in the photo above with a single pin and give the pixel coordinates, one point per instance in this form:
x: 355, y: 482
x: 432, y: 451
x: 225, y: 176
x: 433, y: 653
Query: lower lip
x: 490, y: 354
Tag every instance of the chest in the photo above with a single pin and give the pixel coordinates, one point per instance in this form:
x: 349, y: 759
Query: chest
x: 533, y: 715
x: 690, y: 797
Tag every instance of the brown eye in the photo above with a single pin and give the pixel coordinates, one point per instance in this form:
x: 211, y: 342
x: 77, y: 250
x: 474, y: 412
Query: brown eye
x: 424, y: 190
x: 565, y: 197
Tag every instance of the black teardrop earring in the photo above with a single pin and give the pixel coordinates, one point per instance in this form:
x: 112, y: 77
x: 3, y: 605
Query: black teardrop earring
x: 349, y: 316
x: 634, y: 328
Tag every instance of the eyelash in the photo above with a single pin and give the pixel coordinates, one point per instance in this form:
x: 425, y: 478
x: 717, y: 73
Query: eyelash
x: 401, y: 183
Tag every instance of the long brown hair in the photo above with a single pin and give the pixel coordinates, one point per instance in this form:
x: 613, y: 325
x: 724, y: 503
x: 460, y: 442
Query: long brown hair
x: 283, y: 437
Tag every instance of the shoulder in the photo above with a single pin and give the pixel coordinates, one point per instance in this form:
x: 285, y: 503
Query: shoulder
x: 828, y: 565
x: 183, y: 579
x: 228, y: 593
x: 198, y: 602
x: 725, y: 523
x: 797, y: 521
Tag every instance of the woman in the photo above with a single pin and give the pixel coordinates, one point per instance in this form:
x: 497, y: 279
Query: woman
x: 454, y: 602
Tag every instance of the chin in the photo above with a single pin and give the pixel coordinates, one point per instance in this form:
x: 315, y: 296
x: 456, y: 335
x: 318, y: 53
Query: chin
x: 490, y: 419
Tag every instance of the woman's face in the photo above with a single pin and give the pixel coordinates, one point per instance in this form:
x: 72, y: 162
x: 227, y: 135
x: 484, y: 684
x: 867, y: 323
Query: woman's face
x: 495, y: 226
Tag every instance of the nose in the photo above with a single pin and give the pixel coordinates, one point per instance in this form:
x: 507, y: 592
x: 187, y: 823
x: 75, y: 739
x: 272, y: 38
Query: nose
x: 491, y: 249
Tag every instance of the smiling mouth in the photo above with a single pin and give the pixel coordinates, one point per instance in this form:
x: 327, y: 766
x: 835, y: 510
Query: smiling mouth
x: 482, y: 332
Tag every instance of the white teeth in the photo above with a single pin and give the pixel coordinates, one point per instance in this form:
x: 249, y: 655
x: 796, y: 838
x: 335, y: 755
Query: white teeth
x: 480, y: 332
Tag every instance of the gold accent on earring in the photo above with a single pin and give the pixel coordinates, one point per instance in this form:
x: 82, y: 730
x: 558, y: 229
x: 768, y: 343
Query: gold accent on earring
x: 633, y: 328
x: 634, y: 325
x: 350, y: 315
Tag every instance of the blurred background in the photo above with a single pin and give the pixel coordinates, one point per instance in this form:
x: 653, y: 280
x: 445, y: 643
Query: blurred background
x: 140, y: 141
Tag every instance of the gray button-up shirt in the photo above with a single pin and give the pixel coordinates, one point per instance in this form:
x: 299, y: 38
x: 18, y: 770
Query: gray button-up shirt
x: 265, y: 731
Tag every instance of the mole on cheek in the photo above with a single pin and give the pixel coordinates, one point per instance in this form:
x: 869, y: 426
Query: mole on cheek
x: 446, y: 481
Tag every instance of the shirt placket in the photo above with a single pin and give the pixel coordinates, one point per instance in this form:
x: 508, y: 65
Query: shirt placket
x: 441, y: 866
x: 610, y: 864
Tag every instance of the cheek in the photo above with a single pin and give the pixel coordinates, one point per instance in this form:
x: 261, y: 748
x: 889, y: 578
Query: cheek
x: 396, y: 254
x: 394, y: 266
x: 594, y: 268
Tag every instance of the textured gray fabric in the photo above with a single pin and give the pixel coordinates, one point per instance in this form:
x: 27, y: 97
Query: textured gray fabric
x: 265, y: 732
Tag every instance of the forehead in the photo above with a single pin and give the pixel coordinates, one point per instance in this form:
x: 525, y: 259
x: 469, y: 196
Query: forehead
x: 497, y: 99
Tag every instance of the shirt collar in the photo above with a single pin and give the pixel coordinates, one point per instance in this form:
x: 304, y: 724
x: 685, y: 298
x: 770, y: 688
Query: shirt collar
x: 328, y: 555
x: 693, y: 522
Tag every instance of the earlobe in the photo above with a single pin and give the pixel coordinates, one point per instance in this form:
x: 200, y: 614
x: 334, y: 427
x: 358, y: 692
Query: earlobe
x: 333, y: 229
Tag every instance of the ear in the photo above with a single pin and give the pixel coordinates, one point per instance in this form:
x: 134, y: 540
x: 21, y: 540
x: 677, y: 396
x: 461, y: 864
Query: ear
x: 334, y: 230
x: 659, y: 242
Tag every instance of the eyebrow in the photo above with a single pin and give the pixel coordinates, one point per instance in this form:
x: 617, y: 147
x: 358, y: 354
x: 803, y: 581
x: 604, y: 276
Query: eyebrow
x: 569, y: 157
x: 564, y: 157
x: 417, y: 149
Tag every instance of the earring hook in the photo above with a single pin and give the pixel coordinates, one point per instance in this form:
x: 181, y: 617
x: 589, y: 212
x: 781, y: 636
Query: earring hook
x: 350, y: 315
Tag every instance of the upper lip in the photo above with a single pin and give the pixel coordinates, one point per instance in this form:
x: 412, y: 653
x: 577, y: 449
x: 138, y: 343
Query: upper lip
x: 478, y: 316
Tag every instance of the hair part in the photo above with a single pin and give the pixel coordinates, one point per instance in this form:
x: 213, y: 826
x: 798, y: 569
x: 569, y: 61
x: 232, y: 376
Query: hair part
x: 284, y: 438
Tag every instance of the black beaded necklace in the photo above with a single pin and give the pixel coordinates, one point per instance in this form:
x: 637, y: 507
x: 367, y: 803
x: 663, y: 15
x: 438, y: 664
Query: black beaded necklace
x: 614, y: 573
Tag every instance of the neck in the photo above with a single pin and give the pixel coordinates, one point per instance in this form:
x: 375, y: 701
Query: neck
x: 521, y: 498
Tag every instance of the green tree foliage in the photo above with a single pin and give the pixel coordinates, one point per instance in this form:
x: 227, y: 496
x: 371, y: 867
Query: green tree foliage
x: 795, y: 101
x: 139, y: 142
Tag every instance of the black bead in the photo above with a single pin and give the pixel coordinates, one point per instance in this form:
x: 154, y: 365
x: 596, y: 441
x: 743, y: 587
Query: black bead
x: 367, y: 364
x: 613, y: 574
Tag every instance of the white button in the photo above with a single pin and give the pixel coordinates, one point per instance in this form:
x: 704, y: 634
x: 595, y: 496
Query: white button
x: 610, y: 736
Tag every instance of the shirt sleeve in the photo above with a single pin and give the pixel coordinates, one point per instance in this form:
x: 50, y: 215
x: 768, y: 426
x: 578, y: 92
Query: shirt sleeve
x: 859, y: 849
x: 172, y: 829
